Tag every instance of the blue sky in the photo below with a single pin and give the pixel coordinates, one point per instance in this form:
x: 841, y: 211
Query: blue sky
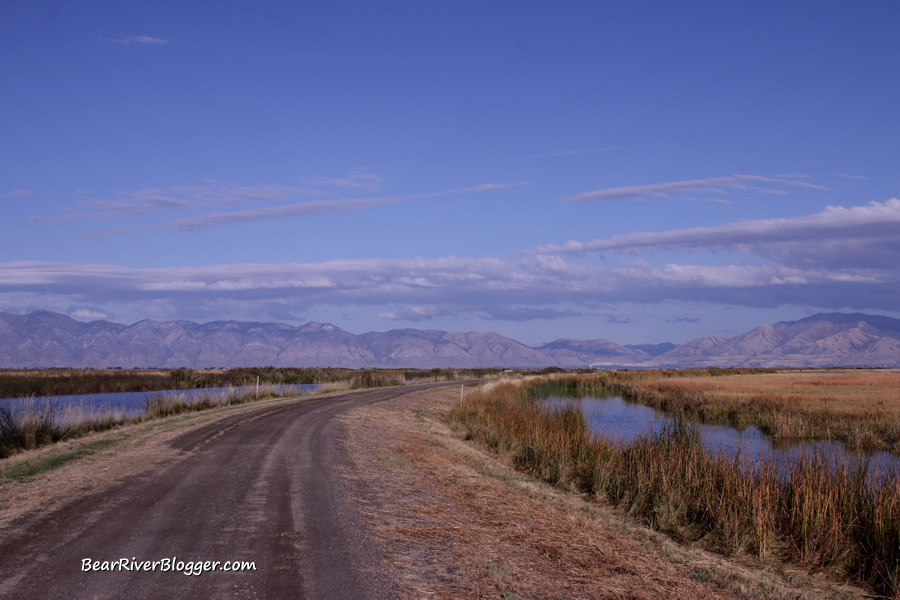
x: 643, y: 172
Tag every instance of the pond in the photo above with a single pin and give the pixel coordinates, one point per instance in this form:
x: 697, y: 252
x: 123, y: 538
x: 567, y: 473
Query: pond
x: 130, y: 404
x: 614, y: 418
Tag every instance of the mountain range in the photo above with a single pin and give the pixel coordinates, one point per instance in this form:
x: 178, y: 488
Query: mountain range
x: 48, y: 339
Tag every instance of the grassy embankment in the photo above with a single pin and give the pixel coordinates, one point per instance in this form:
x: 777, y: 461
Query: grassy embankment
x: 39, y: 425
x: 821, y: 515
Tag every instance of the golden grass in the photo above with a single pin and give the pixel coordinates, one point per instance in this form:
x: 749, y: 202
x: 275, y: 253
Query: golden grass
x: 859, y: 408
x: 843, y: 393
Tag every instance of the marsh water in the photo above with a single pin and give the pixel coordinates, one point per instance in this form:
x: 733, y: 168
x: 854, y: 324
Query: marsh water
x: 614, y: 418
x: 134, y: 403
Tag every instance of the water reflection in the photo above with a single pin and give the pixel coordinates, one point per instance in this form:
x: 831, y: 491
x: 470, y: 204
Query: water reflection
x: 129, y: 404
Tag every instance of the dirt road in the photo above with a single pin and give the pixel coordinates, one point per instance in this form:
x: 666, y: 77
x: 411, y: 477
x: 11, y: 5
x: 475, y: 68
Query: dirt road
x: 257, y: 487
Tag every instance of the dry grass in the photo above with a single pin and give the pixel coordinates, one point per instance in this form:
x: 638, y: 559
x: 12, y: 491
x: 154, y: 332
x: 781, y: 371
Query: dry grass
x: 825, y: 514
x: 859, y: 408
x: 843, y: 393
x: 456, y: 522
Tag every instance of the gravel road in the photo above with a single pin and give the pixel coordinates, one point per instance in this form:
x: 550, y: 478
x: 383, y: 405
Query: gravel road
x: 258, y: 486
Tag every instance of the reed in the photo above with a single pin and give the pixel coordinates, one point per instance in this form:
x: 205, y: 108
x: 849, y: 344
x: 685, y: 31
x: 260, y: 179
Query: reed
x: 820, y: 514
x: 370, y: 379
x: 35, y: 428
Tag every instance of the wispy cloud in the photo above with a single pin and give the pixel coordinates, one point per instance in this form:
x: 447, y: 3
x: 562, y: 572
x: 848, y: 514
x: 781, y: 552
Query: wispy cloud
x: 360, y: 181
x: 846, y: 176
x: 416, y: 313
x: 217, y: 194
x: 137, y: 40
x: 204, y: 195
x: 16, y: 194
x: 299, y: 209
x: 841, y: 257
x: 317, y: 207
x: 712, y: 184
x: 838, y: 236
x: 616, y: 320
x: 486, y: 187
x: 419, y: 289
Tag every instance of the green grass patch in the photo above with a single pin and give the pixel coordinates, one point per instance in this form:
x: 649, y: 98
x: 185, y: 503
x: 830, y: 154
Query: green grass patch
x: 31, y: 467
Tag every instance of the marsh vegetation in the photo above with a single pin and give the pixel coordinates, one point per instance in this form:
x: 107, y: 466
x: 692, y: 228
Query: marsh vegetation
x: 821, y: 513
x: 858, y: 408
x: 15, y: 383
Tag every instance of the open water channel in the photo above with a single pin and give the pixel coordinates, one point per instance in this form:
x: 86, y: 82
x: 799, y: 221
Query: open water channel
x: 614, y: 418
x: 134, y: 403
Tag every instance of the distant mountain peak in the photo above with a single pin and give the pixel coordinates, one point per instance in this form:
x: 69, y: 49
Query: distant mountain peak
x: 49, y: 339
x: 820, y: 340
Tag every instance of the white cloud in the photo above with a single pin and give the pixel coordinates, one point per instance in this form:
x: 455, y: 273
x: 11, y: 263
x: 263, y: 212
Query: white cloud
x: 87, y: 313
x: 536, y: 287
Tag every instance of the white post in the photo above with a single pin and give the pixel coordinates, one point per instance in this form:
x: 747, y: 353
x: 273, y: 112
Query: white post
x: 257, y: 387
x: 461, y: 386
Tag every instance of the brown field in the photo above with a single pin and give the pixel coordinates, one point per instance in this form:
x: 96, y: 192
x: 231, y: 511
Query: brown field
x: 57, y: 373
x: 843, y: 393
x: 859, y: 408
x: 457, y: 521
